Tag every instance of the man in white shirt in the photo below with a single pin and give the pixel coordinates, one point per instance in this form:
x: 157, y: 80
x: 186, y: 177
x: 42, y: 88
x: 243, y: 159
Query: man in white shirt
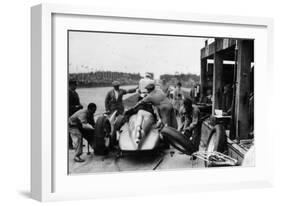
x: 144, y: 82
x: 80, y: 122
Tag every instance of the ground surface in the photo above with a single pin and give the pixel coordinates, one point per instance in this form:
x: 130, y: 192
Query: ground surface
x: 165, y: 159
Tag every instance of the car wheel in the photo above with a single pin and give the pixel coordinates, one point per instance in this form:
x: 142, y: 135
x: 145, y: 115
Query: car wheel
x: 177, y: 140
x: 102, y: 135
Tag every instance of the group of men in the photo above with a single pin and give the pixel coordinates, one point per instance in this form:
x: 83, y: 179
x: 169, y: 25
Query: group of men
x: 153, y: 103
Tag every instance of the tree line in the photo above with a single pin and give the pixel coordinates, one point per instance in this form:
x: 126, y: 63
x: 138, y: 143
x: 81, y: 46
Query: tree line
x: 104, y: 78
x: 187, y: 80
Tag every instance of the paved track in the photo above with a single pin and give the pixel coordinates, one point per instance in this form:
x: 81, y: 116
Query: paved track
x: 165, y: 160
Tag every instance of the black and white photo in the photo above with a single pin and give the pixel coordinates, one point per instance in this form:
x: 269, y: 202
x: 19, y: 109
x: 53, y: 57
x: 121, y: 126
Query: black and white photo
x: 139, y: 102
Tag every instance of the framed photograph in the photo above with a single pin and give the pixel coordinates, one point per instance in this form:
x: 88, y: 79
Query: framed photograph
x: 137, y: 102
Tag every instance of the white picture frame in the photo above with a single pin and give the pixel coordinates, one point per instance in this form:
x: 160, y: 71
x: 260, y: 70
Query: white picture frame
x: 49, y: 179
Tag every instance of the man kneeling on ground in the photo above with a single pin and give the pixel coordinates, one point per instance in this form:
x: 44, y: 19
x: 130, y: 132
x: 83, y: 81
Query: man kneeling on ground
x: 190, y: 127
x: 82, y: 125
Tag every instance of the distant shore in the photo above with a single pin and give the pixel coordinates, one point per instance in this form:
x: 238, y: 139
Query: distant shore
x: 102, y: 85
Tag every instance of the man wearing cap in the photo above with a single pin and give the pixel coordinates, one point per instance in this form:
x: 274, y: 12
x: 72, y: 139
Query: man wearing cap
x: 114, y: 98
x: 144, y: 82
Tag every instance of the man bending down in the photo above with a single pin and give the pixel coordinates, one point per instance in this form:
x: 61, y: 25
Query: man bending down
x: 165, y: 108
x: 82, y: 124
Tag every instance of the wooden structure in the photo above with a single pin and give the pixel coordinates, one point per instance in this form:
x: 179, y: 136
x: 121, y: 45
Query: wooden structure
x: 231, y: 63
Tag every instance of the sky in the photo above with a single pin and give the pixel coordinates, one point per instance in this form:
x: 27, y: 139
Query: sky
x: 134, y: 53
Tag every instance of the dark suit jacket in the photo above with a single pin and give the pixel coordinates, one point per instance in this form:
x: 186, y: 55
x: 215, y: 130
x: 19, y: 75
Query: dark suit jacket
x: 73, y: 101
x: 112, y: 103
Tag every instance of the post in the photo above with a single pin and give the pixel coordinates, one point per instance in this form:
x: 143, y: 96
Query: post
x: 232, y: 134
x: 203, y: 77
x: 243, y: 89
x: 217, y: 81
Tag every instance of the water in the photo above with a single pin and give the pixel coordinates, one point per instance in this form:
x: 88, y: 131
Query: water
x: 97, y: 95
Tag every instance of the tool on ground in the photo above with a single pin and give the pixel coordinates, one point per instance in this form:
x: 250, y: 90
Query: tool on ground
x: 215, y: 158
x: 158, y: 163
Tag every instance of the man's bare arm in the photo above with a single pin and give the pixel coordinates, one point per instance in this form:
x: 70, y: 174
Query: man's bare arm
x: 107, y: 99
x: 131, y: 90
x: 195, y: 120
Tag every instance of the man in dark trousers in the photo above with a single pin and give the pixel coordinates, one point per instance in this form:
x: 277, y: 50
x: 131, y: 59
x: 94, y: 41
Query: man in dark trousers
x: 73, y: 105
x: 190, y: 126
x: 114, y: 98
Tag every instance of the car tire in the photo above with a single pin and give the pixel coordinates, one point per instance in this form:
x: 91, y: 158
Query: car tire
x: 177, y: 140
x: 117, y: 126
x: 102, y: 131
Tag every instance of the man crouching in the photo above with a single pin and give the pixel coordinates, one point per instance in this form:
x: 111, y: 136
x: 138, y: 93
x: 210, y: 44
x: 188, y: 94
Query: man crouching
x: 82, y: 125
x: 190, y: 122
